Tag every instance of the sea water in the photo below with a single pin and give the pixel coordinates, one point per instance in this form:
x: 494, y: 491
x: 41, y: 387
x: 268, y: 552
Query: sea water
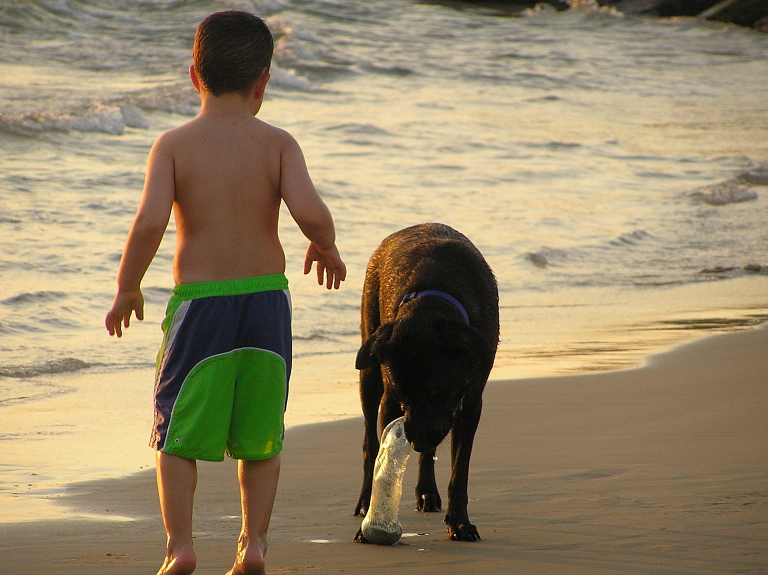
x: 579, y: 150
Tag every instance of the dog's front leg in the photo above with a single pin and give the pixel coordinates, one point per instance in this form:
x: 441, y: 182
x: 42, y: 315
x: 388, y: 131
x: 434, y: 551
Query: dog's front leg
x: 427, y: 494
x: 371, y: 391
x: 462, y: 438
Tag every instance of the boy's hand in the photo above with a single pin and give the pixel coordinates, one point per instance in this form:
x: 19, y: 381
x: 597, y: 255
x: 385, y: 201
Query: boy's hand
x: 328, y: 263
x: 125, y: 303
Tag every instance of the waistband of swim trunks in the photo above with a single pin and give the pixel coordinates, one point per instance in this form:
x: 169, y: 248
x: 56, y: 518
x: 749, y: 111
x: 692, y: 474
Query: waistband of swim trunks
x: 231, y: 287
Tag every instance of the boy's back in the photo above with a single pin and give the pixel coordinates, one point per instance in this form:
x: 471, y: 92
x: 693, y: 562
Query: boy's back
x: 226, y: 173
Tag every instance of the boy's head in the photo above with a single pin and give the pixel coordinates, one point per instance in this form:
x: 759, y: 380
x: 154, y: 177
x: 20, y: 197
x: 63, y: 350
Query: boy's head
x: 232, y: 50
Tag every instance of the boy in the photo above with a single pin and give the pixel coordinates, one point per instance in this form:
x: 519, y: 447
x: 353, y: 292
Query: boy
x: 227, y: 335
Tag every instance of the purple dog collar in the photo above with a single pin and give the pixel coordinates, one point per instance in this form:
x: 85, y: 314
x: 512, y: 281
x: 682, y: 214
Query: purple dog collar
x: 442, y: 294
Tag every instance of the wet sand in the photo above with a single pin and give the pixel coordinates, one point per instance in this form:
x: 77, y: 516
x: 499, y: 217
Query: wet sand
x: 661, y: 469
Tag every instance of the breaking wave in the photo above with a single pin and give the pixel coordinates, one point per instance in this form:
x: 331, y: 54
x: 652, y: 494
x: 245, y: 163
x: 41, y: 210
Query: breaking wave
x: 65, y: 365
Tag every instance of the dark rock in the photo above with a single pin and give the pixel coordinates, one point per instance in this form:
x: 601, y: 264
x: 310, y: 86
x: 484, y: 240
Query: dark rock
x: 665, y: 8
x: 741, y: 12
x: 751, y: 13
x: 717, y: 270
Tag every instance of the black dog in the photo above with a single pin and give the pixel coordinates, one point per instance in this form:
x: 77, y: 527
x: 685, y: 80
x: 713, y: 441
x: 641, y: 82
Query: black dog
x: 430, y: 328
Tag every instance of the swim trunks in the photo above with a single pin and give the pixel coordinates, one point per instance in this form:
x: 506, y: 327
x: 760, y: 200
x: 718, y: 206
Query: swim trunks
x: 223, y: 369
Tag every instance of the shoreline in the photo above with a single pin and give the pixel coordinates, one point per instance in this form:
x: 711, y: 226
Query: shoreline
x: 659, y: 468
x: 38, y: 473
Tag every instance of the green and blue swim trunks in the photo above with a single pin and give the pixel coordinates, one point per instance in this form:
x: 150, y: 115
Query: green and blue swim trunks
x: 223, y: 369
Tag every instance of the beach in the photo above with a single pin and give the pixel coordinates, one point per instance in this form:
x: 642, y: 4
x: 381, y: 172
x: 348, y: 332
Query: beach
x: 659, y: 469
x: 611, y: 168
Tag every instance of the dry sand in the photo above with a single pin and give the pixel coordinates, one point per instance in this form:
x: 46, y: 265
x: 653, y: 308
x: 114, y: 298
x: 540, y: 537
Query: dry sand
x: 661, y: 469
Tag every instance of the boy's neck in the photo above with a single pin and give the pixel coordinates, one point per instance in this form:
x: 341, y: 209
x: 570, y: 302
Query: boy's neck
x: 231, y: 104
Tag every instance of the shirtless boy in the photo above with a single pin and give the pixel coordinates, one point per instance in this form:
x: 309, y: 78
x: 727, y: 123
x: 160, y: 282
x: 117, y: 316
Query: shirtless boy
x: 227, y: 333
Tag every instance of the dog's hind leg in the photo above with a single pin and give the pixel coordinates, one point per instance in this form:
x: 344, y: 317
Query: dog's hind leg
x: 427, y: 494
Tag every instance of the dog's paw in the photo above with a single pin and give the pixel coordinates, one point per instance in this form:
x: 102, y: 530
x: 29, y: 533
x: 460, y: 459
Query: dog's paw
x: 461, y: 532
x: 429, y: 502
x: 360, y: 538
x: 361, y: 509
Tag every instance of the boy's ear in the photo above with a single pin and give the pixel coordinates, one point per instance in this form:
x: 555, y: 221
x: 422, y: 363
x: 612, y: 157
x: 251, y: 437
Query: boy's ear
x: 194, y: 78
x: 261, y: 85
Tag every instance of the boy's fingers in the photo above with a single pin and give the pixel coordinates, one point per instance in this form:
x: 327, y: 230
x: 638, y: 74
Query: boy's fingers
x: 341, y: 275
x: 110, y: 323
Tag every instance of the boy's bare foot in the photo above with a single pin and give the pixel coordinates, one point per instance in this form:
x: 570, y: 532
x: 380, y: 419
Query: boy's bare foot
x: 182, y: 563
x: 250, y: 558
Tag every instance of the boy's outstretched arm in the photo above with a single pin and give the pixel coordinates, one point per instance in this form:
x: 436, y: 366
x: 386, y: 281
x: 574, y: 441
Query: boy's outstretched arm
x: 143, y: 239
x: 312, y: 216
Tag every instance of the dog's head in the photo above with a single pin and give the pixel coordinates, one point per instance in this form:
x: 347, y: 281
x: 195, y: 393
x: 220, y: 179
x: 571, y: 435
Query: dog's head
x: 428, y: 366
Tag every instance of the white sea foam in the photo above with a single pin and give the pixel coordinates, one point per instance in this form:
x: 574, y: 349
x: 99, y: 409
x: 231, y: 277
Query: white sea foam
x: 288, y: 79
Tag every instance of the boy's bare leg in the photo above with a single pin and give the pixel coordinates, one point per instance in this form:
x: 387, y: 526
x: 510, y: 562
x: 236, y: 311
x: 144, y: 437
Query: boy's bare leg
x: 258, y: 486
x: 176, y: 482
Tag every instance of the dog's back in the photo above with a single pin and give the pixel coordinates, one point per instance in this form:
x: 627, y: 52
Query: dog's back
x: 429, y: 256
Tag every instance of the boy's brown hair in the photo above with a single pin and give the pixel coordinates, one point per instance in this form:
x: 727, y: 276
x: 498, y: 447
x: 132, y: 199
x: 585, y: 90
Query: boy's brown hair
x: 232, y: 50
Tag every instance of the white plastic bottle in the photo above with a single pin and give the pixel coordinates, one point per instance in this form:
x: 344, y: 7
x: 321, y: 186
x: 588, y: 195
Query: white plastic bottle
x: 381, y: 525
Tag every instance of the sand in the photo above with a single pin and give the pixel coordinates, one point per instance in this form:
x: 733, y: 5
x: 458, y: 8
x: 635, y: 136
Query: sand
x: 661, y: 469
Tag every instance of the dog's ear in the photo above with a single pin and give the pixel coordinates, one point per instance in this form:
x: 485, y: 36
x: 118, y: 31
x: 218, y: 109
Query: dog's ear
x: 371, y: 350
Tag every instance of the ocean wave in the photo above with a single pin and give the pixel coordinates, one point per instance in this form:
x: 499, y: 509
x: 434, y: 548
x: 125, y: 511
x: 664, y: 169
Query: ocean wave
x: 114, y: 114
x: 32, y: 298
x: 98, y: 117
x: 545, y: 257
x: 26, y: 392
x: 317, y: 335
x: 554, y: 145
x: 397, y: 71
x: 30, y: 435
x: 288, y: 79
x: 631, y: 239
x: 357, y: 128
x: 65, y: 365
x: 757, y: 176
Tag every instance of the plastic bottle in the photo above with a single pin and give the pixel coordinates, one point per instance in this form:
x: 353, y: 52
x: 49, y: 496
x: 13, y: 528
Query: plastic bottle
x: 381, y: 525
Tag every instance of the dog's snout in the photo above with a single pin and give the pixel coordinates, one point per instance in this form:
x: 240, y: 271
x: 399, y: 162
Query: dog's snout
x: 424, y: 437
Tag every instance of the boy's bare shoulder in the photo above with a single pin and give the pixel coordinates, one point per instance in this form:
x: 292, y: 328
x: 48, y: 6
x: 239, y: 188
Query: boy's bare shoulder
x: 278, y: 135
x: 200, y: 127
x: 181, y: 133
